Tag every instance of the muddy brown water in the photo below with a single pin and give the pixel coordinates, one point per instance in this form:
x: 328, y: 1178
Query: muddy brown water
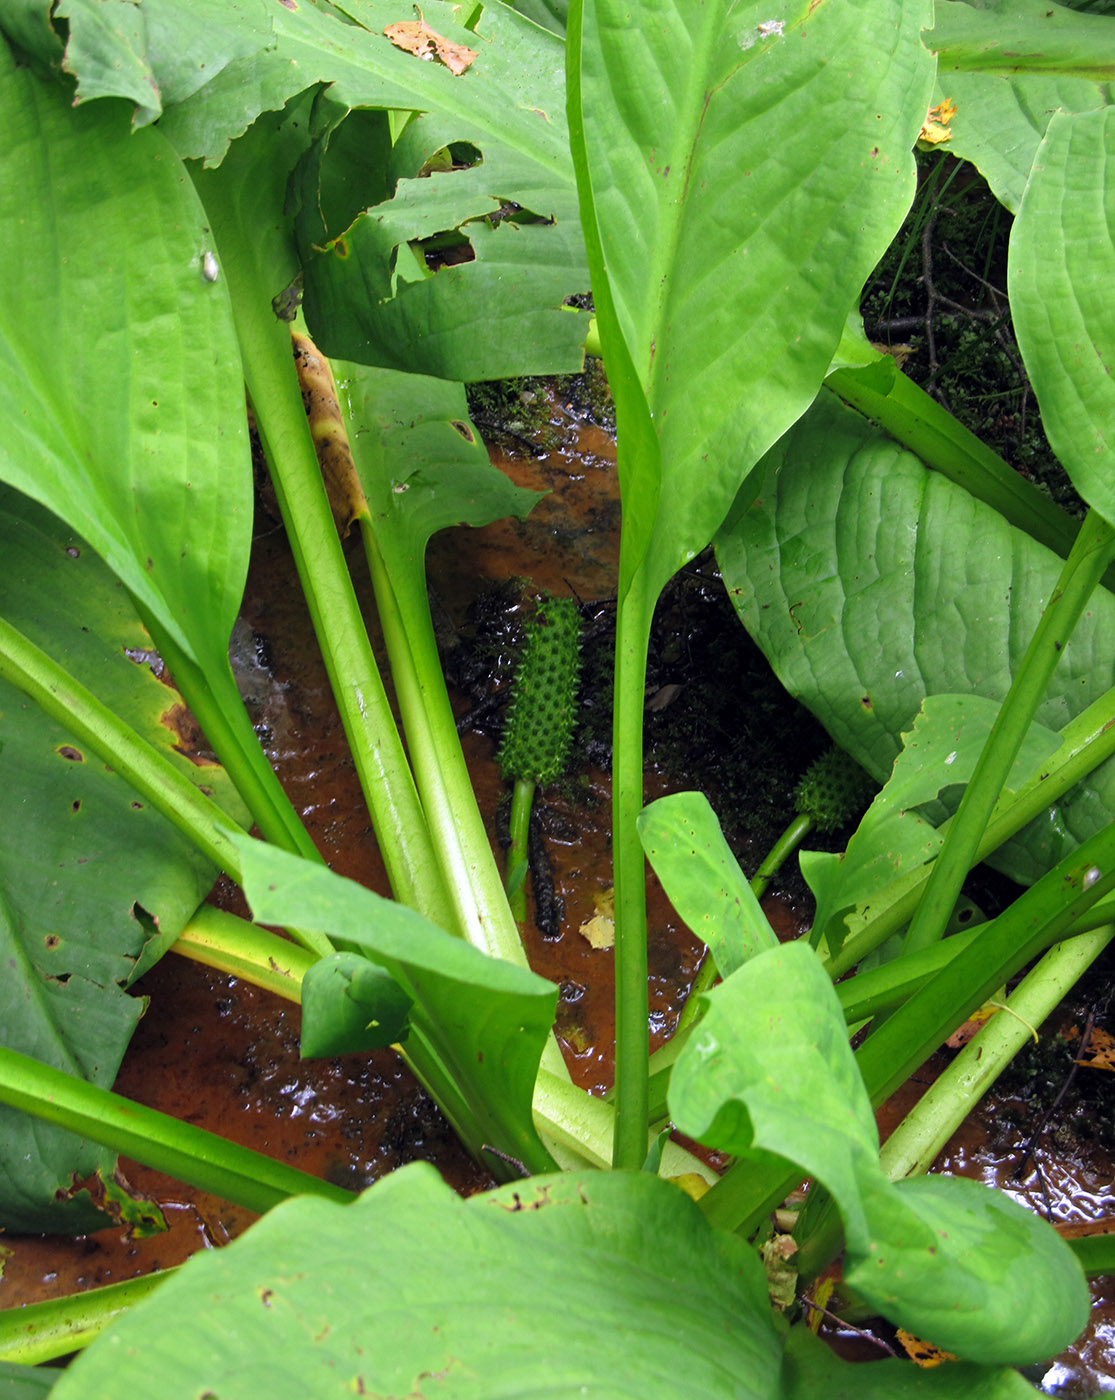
x: 222, y: 1054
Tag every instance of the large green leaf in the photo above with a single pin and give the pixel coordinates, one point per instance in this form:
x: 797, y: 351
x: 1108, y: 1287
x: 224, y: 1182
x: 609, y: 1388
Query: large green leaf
x: 485, y: 1020
x: 207, y: 72
x: 95, y: 884
x: 997, y: 64
x: 1061, y: 270
x: 606, y: 1284
x: 119, y: 372
x: 769, y: 1067
x: 512, y: 209
x: 421, y: 463
x: 743, y: 190
x: 870, y: 583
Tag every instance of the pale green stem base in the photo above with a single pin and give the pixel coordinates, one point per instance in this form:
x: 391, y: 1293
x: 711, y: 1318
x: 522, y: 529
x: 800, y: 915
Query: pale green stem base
x: 915, y: 1143
x: 522, y: 800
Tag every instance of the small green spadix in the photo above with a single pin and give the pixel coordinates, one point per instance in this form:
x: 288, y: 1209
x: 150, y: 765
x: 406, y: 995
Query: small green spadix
x: 540, y: 722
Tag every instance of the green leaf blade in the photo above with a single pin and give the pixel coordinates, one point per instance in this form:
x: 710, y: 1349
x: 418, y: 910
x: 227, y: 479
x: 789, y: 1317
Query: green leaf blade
x: 486, y: 1020
x: 1061, y: 268
x: 994, y: 1282
x: 123, y: 416
x: 684, y: 843
x: 861, y: 620
x: 570, y: 1264
x: 95, y: 882
x: 721, y: 188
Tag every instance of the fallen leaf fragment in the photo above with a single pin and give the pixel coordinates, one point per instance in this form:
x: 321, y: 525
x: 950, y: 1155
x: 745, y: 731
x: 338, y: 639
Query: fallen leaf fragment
x: 692, y: 1183
x: 922, y: 1353
x: 975, y: 1022
x: 1100, y: 1053
x: 782, y: 1277
x: 935, y: 128
x: 415, y: 36
x: 600, y: 930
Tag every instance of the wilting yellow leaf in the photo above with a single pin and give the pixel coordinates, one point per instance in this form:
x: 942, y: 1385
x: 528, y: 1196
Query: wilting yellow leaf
x: 922, y: 1353
x: 415, y: 36
x: 935, y: 128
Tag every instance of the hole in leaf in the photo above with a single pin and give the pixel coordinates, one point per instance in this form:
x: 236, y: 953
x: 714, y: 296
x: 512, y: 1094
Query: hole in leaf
x: 458, y: 155
x: 445, y: 249
x: 465, y: 430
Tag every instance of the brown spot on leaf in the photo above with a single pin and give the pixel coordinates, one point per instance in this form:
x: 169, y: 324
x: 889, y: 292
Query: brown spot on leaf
x: 51, y: 941
x: 189, y: 740
x: 465, y: 430
x: 68, y: 751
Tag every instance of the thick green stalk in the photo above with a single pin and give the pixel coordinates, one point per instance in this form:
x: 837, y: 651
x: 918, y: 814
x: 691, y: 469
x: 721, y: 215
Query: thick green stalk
x: 377, y: 751
x: 1086, y: 742
x: 479, y: 902
x: 42, y: 1332
x: 782, y: 849
x: 230, y: 944
x: 1091, y: 553
x: 189, y: 1154
x: 236, y: 200
x: 915, y: 1143
x: 215, y: 702
x: 156, y: 779
x: 456, y: 827
x: 629, y: 876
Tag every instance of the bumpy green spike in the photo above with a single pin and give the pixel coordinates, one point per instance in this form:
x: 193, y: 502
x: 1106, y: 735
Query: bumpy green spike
x: 540, y: 721
x: 834, y: 791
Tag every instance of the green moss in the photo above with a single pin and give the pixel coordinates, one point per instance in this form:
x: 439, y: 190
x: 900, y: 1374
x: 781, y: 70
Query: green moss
x: 532, y: 414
